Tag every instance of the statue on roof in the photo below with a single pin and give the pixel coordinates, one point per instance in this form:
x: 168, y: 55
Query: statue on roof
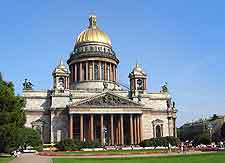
x: 27, y: 85
x: 164, y: 88
x: 174, y: 105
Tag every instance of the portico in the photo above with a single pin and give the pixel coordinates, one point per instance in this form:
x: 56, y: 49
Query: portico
x: 107, y: 129
x: 106, y: 118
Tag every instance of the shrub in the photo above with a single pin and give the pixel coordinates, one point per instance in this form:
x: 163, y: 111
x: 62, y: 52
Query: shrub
x: 28, y: 137
x: 223, y: 131
x: 160, y: 142
x: 90, y: 144
x: 70, y: 144
x: 67, y: 145
x: 38, y: 148
x: 201, y: 139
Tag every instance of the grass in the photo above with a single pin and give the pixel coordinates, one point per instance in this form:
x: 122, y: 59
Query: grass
x: 4, y: 159
x: 201, y: 158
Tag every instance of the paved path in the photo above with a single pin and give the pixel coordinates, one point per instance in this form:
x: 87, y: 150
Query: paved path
x: 31, y: 158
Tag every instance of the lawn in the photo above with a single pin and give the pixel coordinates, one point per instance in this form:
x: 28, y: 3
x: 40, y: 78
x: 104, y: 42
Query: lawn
x: 4, y: 159
x: 201, y: 158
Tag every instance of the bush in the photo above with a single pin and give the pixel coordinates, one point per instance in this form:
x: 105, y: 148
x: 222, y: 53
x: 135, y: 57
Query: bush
x: 28, y: 137
x: 70, y: 144
x: 67, y: 145
x: 38, y: 148
x: 201, y: 139
x: 160, y: 142
x: 90, y: 144
x: 223, y: 131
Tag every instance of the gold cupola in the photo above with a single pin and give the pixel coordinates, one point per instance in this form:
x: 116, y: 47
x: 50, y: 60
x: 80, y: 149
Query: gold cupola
x: 93, y: 62
x: 93, y: 34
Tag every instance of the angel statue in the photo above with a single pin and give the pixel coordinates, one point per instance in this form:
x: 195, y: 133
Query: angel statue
x: 164, y: 88
x: 27, y: 85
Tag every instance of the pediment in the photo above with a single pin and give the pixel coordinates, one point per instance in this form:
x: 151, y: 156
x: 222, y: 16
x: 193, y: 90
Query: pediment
x: 107, y: 99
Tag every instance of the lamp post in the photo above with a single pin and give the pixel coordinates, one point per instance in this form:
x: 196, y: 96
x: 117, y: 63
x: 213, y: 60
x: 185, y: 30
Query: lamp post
x: 105, y: 135
x: 210, y: 127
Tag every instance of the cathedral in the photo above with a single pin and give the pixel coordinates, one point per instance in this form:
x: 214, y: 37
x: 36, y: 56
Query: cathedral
x: 87, y: 103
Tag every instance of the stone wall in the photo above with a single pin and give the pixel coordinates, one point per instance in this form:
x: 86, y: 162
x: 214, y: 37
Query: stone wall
x: 148, y: 117
x: 32, y: 116
x: 60, y: 124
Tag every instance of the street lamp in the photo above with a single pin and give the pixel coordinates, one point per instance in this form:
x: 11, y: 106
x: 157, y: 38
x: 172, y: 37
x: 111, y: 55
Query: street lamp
x: 210, y: 127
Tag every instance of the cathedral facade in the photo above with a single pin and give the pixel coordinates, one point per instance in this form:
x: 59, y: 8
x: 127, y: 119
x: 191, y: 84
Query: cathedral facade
x: 88, y: 104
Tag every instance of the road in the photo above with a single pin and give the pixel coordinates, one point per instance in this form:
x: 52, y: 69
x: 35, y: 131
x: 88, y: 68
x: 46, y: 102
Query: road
x: 31, y: 158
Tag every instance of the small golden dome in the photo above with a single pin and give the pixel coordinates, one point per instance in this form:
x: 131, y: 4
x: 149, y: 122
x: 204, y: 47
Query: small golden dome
x: 61, y: 68
x: 93, y: 34
x: 137, y: 70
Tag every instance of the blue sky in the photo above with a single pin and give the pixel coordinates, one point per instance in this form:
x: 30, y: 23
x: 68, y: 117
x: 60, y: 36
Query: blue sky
x: 179, y: 41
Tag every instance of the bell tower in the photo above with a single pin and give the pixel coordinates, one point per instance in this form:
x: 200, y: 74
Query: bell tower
x: 61, y: 78
x: 138, y: 80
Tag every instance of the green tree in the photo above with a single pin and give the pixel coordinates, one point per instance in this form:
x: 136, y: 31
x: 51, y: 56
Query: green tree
x: 201, y: 139
x: 12, y: 116
x: 28, y: 137
x: 223, y: 131
x: 0, y: 76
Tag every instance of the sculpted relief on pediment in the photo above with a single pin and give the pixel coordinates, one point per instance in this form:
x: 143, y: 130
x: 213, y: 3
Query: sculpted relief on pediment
x: 109, y: 100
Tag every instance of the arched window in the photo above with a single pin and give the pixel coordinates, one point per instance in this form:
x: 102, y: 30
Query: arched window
x: 78, y: 72
x: 157, y: 125
x: 61, y: 81
x: 102, y: 71
x: 91, y: 48
x: 83, y: 71
x: 96, y: 69
x: 61, y: 85
x: 90, y: 71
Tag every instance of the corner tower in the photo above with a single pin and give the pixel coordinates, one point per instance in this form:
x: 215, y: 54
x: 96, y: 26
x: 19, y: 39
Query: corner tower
x: 93, y: 63
x: 60, y: 78
x: 138, y: 80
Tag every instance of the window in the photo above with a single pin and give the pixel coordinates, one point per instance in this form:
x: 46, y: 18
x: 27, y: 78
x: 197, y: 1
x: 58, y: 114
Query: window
x: 102, y: 71
x: 108, y: 72
x: 83, y: 71
x: 61, y: 83
x: 96, y: 70
x: 78, y: 72
x: 158, y: 131
x: 99, y: 48
x: 91, y: 48
x: 90, y: 71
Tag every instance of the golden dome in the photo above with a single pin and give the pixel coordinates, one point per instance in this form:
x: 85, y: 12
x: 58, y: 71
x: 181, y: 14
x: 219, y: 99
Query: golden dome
x: 93, y: 34
x: 137, y: 70
x: 61, y: 68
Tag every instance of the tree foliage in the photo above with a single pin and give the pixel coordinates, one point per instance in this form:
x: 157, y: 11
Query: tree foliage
x: 202, y: 139
x: 223, y: 131
x: 28, y: 137
x: 0, y: 76
x: 160, y: 142
x: 71, y: 144
x: 12, y: 116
